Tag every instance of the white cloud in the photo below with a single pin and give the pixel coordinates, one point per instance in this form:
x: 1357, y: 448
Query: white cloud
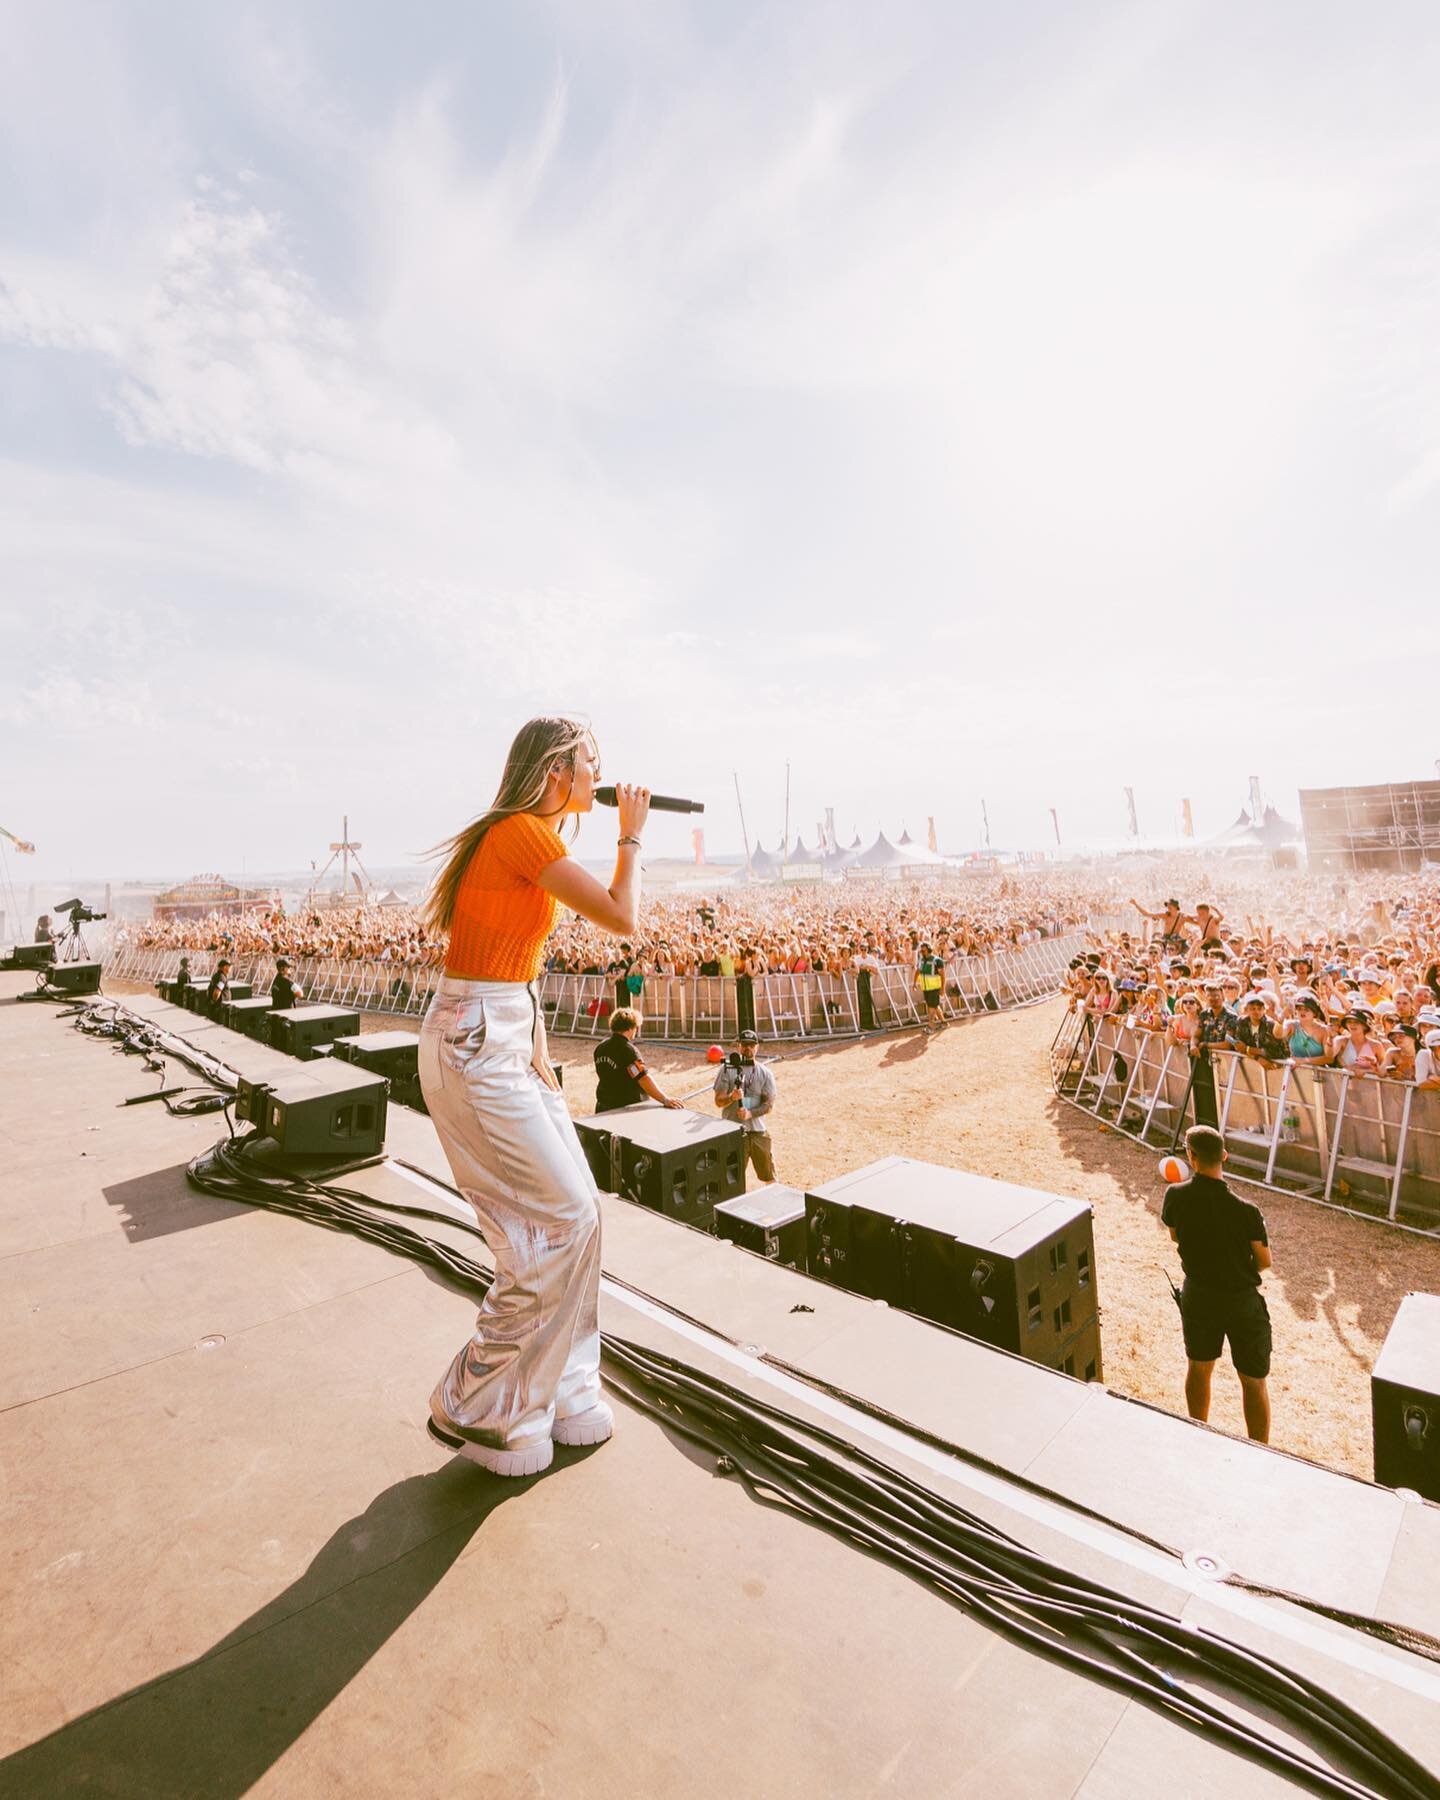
x: 905, y: 401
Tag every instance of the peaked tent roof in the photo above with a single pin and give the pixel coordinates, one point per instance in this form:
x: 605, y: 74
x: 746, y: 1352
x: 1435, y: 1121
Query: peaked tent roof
x: 882, y: 854
x: 1270, y: 832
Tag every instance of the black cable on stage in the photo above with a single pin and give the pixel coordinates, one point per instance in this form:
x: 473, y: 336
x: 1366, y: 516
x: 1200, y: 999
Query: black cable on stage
x: 819, y: 1475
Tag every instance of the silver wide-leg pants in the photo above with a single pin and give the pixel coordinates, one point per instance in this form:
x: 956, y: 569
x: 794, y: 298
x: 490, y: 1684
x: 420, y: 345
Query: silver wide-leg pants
x: 513, y: 1151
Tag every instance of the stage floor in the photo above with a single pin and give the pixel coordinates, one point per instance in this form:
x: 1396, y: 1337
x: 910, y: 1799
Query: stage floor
x: 236, y: 1563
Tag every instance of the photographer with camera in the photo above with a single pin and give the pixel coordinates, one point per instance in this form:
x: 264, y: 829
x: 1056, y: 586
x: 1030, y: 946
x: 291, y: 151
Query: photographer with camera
x: 745, y: 1093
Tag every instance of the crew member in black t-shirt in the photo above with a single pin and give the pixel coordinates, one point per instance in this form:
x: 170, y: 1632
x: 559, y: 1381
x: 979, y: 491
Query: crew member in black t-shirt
x: 623, y: 1079
x: 282, y: 989
x: 219, y: 989
x: 1224, y: 1250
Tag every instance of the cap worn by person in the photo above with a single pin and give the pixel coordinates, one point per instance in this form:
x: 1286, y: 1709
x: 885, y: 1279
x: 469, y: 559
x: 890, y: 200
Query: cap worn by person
x: 748, y: 1037
x: 1432, y: 1040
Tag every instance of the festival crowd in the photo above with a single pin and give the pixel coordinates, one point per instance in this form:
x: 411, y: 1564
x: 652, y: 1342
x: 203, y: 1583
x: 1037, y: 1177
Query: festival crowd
x: 1268, y: 978
x: 747, y: 930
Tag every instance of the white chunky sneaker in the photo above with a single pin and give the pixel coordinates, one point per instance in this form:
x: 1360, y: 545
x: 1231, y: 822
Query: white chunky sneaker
x: 592, y: 1426
x: 513, y: 1463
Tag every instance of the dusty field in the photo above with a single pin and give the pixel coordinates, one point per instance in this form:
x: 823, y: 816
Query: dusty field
x: 978, y: 1097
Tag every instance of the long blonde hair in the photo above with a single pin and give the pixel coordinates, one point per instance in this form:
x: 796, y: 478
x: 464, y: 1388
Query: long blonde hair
x: 538, y: 747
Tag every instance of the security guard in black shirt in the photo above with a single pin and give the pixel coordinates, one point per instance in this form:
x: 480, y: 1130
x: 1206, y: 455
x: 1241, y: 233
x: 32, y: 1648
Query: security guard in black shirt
x: 1224, y: 1250
x: 282, y: 989
x: 623, y: 1079
x: 218, y: 991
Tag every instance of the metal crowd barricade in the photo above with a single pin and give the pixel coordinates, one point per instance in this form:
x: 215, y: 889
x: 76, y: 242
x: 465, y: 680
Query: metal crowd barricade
x: 677, y: 1008
x: 1326, y: 1134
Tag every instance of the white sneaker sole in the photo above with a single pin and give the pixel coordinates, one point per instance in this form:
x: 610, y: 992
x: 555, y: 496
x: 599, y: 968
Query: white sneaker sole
x: 593, y: 1426
x: 515, y: 1464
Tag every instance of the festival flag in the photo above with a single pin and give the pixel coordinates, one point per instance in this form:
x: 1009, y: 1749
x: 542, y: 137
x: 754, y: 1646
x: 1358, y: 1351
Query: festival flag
x: 19, y: 843
x: 1055, y: 821
x: 1130, y: 808
x: 1187, y: 821
x: 930, y: 837
x: 697, y: 838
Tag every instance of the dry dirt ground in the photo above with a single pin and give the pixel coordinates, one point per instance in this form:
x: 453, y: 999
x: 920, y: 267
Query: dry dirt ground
x: 978, y: 1097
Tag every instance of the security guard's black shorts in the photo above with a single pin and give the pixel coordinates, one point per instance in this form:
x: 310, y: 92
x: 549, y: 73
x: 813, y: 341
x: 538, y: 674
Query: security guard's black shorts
x: 1243, y: 1317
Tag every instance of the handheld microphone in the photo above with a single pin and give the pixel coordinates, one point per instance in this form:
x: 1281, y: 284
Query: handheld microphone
x: 658, y: 802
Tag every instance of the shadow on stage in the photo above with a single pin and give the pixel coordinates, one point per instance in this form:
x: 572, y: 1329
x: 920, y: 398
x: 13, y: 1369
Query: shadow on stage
x: 209, y: 1729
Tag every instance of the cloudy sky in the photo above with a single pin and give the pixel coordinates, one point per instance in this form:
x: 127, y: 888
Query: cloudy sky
x: 955, y: 400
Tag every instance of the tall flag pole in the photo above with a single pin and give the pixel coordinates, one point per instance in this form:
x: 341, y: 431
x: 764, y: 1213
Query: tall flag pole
x: 1187, y: 819
x: 744, y: 834
x: 1130, y: 808
x: 1055, y: 821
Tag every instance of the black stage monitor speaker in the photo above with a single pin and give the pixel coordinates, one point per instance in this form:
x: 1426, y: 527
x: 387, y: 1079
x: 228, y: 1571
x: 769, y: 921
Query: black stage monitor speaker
x: 827, y: 1235
x: 771, y: 1222
x: 250, y: 1015
x: 673, y: 1161
x: 73, y: 978
x: 299, y: 1029
x: 1405, y: 1399
x: 32, y: 956
x: 328, y: 1110
x: 1012, y: 1266
x: 239, y: 990
x: 391, y: 1053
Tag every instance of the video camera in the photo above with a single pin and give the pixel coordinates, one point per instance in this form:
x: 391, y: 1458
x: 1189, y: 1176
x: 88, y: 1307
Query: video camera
x: 80, y: 913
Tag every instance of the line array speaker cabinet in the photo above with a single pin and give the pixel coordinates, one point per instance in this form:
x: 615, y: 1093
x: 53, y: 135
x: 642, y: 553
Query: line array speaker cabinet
x: 770, y: 1222
x: 239, y: 990
x: 31, y: 956
x: 300, y: 1029
x: 672, y: 1161
x: 72, y: 978
x: 328, y: 1110
x: 1012, y: 1266
x: 1405, y: 1399
x: 391, y: 1053
x: 250, y: 1015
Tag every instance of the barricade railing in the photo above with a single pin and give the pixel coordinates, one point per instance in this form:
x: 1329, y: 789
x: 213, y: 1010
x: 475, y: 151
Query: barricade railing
x: 1363, y: 1142
x: 677, y: 1008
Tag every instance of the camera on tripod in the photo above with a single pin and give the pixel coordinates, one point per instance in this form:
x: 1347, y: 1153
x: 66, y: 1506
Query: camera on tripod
x: 80, y: 913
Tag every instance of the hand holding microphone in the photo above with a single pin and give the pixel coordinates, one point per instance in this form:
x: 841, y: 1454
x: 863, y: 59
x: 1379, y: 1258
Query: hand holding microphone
x: 610, y: 796
x: 634, y: 805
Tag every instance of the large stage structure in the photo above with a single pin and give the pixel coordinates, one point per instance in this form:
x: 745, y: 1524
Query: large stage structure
x: 237, y: 1561
x: 1393, y: 826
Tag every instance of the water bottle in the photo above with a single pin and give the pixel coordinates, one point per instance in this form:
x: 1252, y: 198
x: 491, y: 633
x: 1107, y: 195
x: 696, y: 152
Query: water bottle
x: 1290, y: 1126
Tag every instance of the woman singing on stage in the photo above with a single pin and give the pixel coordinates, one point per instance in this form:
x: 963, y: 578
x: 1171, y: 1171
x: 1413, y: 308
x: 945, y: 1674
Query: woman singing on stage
x: 530, y: 1376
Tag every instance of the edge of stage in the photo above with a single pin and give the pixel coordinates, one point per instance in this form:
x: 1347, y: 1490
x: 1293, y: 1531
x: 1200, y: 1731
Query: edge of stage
x: 235, y: 1561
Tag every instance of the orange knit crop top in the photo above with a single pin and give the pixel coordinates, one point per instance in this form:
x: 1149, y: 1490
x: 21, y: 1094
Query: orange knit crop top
x: 502, y: 916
